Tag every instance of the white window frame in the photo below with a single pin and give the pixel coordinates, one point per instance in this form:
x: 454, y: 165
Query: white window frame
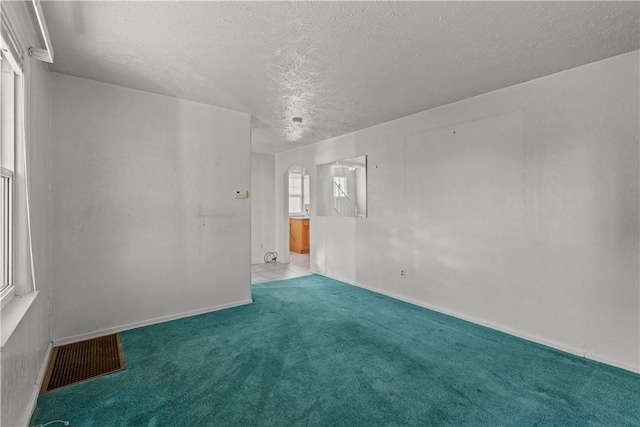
x: 296, y: 208
x: 11, y: 101
x: 306, y: 193
x: 16, y: 300
x: 7, y: 289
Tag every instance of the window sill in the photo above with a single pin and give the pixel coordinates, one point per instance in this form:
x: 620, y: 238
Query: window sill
x: 13, y: 313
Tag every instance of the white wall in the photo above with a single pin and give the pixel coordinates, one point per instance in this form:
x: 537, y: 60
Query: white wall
x: 263, y: 206
x: 525, y: 219
x: 145, y: 224
x: 25, y: 353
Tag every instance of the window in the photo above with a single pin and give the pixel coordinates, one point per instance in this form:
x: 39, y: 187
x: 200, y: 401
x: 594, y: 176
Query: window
x: 9, y: 95
x: 305, y: 189
x: 6, y: 251
x: 295, y: 193
x: 339, y: 186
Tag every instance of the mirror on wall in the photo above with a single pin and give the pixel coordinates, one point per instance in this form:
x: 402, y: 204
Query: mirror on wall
x: 342, y: 188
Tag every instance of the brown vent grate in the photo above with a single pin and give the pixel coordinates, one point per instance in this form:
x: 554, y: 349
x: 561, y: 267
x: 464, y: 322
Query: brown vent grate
x: 85, y: 360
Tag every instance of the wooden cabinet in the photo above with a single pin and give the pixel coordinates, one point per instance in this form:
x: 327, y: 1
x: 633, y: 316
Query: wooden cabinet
x: 299, y: 235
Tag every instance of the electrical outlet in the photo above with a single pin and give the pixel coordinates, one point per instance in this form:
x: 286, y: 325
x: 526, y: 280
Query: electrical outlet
x: 403, y: 273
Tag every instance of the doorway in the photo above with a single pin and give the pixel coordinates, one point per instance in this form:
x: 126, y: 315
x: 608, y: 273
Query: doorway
x: 296, y: 201
x: 299, y: 201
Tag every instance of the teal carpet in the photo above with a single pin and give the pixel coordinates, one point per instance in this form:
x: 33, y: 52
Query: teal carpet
x: 312, y: 351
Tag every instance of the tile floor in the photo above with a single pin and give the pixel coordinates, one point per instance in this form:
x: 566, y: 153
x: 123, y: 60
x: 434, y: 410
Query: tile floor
x: 268, y: 272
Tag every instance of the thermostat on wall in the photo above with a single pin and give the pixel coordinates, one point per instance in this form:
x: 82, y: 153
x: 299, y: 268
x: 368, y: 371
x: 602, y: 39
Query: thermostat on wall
x: 241, y: 194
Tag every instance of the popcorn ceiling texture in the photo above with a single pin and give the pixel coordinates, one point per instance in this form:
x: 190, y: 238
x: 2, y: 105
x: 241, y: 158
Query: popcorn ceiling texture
x: 342, y: 66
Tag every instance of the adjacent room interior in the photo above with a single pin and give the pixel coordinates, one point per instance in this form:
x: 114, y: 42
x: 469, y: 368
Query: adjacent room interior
x: 322, y: 213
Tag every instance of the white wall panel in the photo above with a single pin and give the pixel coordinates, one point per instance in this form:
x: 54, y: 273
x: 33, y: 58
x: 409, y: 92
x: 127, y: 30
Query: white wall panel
x: 145, y: 223
x: 526, y: 219
x: 470, y: 170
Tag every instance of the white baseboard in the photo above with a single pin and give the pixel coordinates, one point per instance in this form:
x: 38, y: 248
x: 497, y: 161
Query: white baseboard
x: 538, y: 340
x: 134, y: 325
x: 609, y: 361
x: 33, y: 400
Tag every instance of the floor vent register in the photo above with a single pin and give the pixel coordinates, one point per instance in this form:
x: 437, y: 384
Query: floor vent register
x: 81, y: 361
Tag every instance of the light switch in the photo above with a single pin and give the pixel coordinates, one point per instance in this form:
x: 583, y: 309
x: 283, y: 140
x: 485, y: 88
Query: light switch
x: 241, y: 194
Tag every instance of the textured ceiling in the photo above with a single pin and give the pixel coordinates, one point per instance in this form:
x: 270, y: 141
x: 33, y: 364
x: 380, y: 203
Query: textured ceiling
x: 341, y: 66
